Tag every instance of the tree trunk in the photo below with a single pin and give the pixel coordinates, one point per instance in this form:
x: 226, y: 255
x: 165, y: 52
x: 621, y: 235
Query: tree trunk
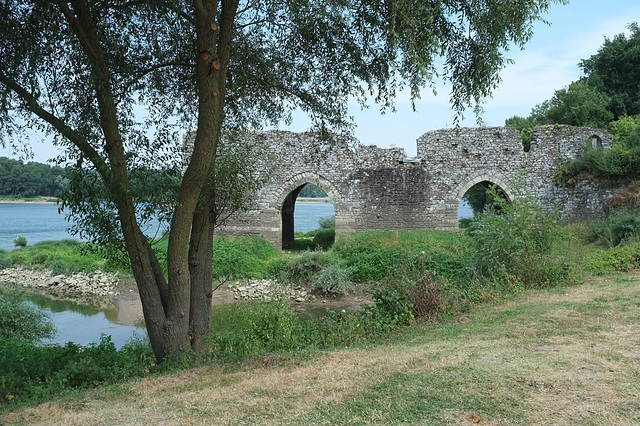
x: 200, y: 267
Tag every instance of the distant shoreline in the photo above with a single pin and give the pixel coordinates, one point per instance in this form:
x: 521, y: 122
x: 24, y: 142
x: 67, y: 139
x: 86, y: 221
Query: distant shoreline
x: 313, y: 200
x: 30, y: 200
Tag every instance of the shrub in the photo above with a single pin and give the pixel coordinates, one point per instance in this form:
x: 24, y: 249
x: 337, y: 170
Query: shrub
x: 254, y: 328
x: 622, y: 258
x: 38, y: 372
x: 21, y: 320
x: 393, y: 304
x: 465, y: 223
x: 327, y: 222
x: 425, y: 297
x: 618, y: 226
x: 324, y: 238
x: 520, y: 240
x: 302, y: 268
x: 332, y: 279
x: 20, y: 241
x: 242, y: 257
x: 375, y: 255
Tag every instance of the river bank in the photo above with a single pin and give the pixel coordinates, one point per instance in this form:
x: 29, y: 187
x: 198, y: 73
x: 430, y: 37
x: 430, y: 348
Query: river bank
x: 29, y: 200
x: 120, y: 294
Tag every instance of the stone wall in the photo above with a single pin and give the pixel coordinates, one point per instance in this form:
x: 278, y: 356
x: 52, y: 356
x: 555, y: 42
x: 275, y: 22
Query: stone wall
x: 381, y: 189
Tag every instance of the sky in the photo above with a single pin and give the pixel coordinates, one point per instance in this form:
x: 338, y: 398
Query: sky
x: 549, y: 62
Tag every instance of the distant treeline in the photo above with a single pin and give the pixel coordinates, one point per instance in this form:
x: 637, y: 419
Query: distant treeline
x: 312, y: 191
x: 31, y: 179
x: 34, y: 179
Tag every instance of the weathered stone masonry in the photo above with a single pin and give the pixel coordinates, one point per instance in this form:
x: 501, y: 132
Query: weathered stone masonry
x: 380, y: 189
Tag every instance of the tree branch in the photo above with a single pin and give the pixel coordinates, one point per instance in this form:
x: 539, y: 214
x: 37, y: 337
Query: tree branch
x: 64, y: 129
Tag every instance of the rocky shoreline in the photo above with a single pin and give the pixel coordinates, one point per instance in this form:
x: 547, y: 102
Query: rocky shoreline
x: 102, y: 289
x: 97, y: 284
x: 266, y: 289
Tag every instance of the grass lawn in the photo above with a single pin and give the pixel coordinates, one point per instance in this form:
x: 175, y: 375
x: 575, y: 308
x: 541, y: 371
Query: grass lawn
x: 562, y: 356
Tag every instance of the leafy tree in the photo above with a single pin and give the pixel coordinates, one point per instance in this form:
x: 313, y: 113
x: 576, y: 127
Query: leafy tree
x: 609, y: 90
x: 22, y: 320
x: 538, y: 117
x: 580, y: 104
x: 615, y: 72
x: 80, y: 69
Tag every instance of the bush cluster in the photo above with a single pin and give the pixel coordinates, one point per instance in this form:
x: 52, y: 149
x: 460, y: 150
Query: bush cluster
x: 21, y: 320
x: 30, y: 371
x: 320, y: 270
x: 619, y: 226
x: 519, y: 240
x: 242, y: 257
x: 621, y: 258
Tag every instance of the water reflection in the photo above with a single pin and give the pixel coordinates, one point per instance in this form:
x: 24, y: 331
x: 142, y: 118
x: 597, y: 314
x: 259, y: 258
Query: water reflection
x: 84, y: 324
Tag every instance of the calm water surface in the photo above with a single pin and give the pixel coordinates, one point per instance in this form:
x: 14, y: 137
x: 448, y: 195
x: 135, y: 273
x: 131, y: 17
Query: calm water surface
x: 83, y: 325
x: 37, y: 222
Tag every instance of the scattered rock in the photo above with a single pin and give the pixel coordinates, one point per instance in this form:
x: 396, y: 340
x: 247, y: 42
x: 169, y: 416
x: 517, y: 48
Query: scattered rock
x: 267, y: 289
x: 98, y: 284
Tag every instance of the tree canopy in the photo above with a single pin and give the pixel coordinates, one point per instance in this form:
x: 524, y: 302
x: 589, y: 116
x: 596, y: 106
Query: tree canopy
x: 83, y: 70
x: 608, y: 91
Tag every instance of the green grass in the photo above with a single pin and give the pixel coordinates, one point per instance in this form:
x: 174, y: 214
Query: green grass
x: 375, y: 256
x: 61, y: 257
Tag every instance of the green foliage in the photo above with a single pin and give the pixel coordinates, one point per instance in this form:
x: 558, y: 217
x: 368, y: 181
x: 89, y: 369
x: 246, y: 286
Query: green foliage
x: 333, y: 279
x: 580, y: 104
x: 235, y: 176
x: 465, y: 223
x: 537, y: 117
x: 33, y: 372
x: 324, y: 238
x: 607, y: 92
x: 303, y: 267
x: 478, y: 196
x: 394, y: 305
x: 615, y: 71
x: 621, y: 161
x: 242, y: 257
x: 619, y: 226
x: 20, y: 241
x: 21, y: 320
x: 328, y: 222
x: 375, y: 255
x: 63, y: 257
x: 520, y: 240
x: 30, y: 179
x: 255, y: 328
x: 312, y: 191
x: 622, y: 258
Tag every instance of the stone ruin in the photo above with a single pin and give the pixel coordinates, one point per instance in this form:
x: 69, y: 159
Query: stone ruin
x: 382, y: 189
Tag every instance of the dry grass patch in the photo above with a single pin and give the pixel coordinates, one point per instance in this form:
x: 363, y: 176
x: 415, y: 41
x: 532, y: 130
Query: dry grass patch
x: 548, y: 357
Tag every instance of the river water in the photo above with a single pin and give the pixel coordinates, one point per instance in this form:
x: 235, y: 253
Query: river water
x: 79, y: 323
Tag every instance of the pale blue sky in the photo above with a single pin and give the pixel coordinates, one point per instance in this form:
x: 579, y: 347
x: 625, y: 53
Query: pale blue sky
x: 549, y: 62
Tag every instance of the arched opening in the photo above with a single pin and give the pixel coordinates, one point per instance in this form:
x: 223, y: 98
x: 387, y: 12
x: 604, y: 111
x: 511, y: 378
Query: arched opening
x: 308, y: 218
x: 594, y: 142
x: 475, y: 199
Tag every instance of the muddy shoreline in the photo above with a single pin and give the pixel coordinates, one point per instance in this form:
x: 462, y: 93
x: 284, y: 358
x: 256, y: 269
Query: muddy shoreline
x: 110, y: 292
